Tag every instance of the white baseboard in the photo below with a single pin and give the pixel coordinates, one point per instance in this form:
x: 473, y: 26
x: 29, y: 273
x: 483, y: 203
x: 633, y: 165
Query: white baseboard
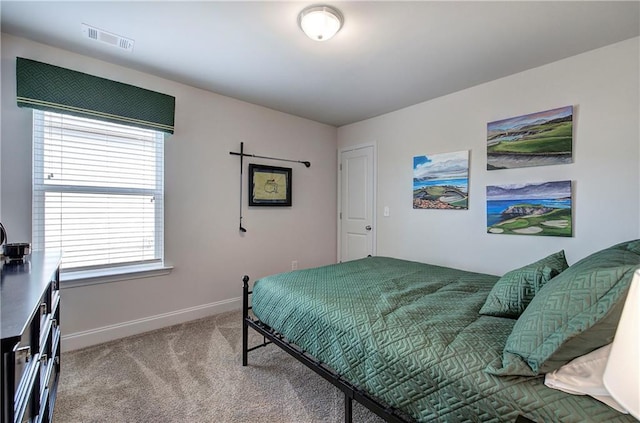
x: 77, y: 340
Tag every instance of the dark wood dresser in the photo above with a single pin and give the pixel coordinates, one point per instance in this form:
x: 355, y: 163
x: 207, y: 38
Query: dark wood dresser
x: 30, y: 324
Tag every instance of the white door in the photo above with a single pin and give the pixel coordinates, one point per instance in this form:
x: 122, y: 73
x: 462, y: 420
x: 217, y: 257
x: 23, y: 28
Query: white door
x: 357, y: 203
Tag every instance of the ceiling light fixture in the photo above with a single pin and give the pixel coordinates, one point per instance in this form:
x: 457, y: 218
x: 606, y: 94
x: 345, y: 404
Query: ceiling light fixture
x: 320, y: 22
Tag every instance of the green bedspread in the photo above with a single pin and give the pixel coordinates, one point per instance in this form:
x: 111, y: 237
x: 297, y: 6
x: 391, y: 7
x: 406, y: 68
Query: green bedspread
x: 410, y: 334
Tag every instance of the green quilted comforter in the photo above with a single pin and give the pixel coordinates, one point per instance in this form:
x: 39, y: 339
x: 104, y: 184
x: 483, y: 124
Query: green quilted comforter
x: 410, y: 334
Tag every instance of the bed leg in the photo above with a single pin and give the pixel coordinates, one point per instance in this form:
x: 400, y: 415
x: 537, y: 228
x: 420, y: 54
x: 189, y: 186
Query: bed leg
x: 245, y: 316
x: 348, y: 403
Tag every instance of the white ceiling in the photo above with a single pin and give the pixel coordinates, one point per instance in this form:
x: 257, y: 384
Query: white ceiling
x: 388, y: 55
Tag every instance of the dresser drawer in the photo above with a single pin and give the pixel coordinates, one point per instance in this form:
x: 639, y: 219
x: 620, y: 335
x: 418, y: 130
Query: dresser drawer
x: 44, y: 309
x: 27, y: 398
x: 23, y: 356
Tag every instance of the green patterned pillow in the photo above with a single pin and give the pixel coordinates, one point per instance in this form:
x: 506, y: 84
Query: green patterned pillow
x: 515, y: 290
x: 572, y: 316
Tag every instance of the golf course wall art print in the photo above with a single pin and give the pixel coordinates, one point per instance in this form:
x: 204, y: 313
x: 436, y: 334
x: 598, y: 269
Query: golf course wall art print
x: 530, y: 209
x: 538, y: 139
x: 441, y: 181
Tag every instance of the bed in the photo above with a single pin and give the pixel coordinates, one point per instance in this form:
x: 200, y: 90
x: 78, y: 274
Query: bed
x: 419, y: 342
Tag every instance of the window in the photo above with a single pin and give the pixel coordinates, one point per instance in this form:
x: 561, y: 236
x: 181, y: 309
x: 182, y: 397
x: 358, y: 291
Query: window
x: 98, y: 191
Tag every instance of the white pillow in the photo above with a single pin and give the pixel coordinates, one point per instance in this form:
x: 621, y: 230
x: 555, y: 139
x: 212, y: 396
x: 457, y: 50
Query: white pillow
x: 583, y: 376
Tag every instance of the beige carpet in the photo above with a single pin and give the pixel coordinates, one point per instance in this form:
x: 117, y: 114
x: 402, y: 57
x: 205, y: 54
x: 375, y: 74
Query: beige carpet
x: 193, y: 373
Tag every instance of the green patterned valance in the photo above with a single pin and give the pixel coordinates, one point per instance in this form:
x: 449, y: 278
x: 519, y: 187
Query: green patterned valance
x: 47, y: 87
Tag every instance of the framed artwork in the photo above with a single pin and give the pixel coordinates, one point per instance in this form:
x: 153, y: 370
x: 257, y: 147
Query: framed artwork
x: 441, y: 181
x: 543, y: 208
x: 269, y: 185
x: 538, y: 139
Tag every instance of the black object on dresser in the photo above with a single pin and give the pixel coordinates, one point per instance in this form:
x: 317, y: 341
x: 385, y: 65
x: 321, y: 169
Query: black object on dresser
x: 30, y: 323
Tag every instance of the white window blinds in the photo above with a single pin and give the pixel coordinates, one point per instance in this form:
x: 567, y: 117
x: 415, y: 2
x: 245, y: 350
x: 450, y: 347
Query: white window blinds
x: 98, y: 191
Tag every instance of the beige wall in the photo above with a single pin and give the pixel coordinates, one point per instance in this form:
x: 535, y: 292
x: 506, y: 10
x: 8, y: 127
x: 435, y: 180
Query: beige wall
x: 603, y: 85
x: 202, y: 239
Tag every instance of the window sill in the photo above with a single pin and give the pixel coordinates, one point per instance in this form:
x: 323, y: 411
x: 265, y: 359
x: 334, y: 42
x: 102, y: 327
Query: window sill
x: 93, y: 277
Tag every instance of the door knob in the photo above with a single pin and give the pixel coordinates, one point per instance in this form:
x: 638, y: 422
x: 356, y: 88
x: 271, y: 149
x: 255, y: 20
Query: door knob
x: 368, y: 227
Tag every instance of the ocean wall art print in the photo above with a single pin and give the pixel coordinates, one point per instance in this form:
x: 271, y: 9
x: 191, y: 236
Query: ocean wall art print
x: 441, y: 181
x: 543, y: 208
x: 538, y: 139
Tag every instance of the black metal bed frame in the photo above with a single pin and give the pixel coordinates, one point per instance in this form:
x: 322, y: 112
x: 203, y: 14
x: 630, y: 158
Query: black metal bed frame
x: 351, y: 392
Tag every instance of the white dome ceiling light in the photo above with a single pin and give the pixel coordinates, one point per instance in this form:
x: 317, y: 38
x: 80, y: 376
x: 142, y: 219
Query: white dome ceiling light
x: 320, y: 23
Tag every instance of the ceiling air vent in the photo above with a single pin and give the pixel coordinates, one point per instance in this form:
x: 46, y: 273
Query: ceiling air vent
x: 107, y: 37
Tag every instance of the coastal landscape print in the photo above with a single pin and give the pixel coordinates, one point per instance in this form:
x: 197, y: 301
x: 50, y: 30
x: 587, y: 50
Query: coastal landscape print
x: 530, y: 209
x: 441, y: 181
x: 538, y: 139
